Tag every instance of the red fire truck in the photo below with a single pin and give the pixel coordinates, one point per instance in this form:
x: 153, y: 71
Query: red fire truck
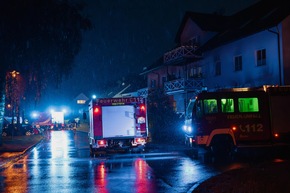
x: 117, y: 125
x: 227, y: 120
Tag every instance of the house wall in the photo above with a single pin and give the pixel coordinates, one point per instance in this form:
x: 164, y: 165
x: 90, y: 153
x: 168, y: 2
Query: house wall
x: 251, y: 75
x: 286, y: 50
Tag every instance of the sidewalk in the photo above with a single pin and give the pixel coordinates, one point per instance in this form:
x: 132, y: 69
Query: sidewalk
x: 14, y: 147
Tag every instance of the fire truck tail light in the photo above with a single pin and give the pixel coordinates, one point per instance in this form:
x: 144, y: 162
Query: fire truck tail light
x: 142, y: 107
x: 97, y: 110
x: 139, y: 140
x: 101, y: 142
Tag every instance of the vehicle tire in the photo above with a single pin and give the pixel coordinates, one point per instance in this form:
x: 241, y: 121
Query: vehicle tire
x: 27, y: 133
x: 222, y: 147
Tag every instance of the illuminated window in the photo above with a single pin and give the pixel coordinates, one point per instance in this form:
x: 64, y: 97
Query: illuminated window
x: 248, y: 105
x: 174, y: 106
x: 81, y: 102
x: 227, y: 105
x: 210, y: 106
x: 238, y: 63
x: 261, y: 57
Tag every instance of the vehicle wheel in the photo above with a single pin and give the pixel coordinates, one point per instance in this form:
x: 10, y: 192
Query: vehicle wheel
x: 27, y: 133
x: 223, y: 147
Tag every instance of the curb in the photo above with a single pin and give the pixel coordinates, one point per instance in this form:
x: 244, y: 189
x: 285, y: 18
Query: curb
x: 6, y: 162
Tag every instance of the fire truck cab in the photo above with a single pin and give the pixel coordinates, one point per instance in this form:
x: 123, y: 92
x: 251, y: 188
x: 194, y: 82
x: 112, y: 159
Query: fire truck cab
x: 227, y: 120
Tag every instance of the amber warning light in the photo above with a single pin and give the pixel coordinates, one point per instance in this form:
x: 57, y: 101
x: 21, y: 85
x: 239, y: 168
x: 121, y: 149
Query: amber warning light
x: 234, y: 128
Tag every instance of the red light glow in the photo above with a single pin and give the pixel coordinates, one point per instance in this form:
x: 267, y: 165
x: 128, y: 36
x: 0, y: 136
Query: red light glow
x: 142, y: 107
x: 97, y: 110
x: 101, y: 142
x: 139, y: 140
x: 234, y: 128
x: 276, y: 135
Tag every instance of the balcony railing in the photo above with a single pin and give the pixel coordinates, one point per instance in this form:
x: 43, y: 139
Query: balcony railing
x: 180, y: 53
x: 143, y: 92
x: 182, y: 84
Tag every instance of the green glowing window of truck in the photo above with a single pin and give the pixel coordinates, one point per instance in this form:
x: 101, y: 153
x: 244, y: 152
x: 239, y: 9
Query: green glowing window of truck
x: 227, y: 105
x: 210, y: 106
x: 248, y: 105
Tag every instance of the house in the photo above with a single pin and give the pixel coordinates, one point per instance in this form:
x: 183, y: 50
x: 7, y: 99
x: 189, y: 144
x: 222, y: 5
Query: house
x: 247, y: 49
x: 80, y: 105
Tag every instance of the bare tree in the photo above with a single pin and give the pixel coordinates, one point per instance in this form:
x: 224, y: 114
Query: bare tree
x: 39, y: 39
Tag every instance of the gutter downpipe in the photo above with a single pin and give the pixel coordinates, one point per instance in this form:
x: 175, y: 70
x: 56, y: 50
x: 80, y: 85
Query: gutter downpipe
x: 279, y: 54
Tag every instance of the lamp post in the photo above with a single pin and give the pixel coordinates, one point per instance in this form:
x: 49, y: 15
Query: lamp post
x: 14, y: 99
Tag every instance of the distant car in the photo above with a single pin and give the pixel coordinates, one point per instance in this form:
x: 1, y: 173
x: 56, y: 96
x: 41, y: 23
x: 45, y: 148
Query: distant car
x: 26, y: 129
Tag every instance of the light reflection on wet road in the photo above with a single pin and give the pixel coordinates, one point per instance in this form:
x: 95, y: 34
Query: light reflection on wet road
x: 61, y: 164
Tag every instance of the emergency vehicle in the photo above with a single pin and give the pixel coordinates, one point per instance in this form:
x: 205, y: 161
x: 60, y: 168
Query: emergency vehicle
x: 227, y: 120
x: 117, y: 125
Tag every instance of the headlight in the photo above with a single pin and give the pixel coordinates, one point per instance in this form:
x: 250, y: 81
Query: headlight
x: 187, y: 128
x: 184, y: 127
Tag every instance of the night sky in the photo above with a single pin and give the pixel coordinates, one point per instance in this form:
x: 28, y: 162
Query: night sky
x: 128, y: 35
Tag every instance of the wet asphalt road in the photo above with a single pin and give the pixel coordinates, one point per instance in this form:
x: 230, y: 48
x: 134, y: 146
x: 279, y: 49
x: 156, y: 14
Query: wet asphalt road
x: 61, y: 164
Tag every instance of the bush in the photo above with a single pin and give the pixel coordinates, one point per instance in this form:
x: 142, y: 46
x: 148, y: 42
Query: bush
x: 164, y: 123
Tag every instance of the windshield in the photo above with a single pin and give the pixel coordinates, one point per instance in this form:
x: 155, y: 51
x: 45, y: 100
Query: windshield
x: 188, y: 113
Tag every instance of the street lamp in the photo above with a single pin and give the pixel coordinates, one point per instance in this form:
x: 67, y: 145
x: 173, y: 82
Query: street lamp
x: 14, y: 98
x: 14, y: 73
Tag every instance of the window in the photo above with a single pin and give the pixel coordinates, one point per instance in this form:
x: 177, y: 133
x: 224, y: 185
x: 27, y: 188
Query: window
x: 210, y: 106
x: 238, y: 63
x: 227, y: 105
x: 248, y: 105
x: 197, y: 109
x: 195, y: 72
x: 163, y: 80
x: 174, y: 105
x: 218, y: 66
x: 81, y: 102
x: 192, y: 42
x: 261, y: 57
x: 191, y: 73
x: 153, y: 83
